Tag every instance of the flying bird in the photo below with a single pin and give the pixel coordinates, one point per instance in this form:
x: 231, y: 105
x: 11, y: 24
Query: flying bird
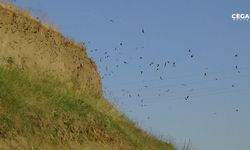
x: 183, y: 84
x: 167, y: 90
x: 142, y: 31
x: 186, y: 98
x: 173, y: 64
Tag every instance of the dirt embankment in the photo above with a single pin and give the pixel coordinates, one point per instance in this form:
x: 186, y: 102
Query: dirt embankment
x: 29, y: 45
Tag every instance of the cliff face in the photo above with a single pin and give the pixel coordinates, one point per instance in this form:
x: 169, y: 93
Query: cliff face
x: 27, y: 44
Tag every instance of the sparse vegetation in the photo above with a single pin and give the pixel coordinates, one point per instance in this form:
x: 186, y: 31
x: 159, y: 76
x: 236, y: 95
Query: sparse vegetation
x: 187, y: 146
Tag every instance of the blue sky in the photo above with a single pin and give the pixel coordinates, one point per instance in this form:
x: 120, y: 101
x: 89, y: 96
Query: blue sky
x: 178, y: 103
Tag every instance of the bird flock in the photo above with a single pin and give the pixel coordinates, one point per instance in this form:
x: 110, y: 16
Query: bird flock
x: 115, y: 59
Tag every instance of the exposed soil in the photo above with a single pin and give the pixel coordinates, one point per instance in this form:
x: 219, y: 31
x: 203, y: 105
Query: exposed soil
x: 28, y: 44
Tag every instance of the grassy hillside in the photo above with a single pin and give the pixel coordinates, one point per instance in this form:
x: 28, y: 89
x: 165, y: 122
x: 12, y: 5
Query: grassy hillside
x: 51, y: 93
x: 39, y: 113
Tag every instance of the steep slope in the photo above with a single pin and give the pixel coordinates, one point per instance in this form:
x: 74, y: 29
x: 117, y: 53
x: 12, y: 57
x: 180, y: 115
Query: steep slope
x: 33, y: 47
x: 51, y: 93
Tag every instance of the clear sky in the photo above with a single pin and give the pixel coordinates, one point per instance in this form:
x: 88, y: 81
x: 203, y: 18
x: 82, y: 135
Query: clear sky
x: 204, y: 97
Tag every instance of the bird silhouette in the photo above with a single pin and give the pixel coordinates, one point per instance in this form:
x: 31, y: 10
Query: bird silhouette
x: 173, y: 64
x: 142, y: 31
x: 167, y: 90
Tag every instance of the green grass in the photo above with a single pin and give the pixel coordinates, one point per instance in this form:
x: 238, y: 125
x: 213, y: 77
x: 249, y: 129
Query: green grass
x: 54, y: 115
